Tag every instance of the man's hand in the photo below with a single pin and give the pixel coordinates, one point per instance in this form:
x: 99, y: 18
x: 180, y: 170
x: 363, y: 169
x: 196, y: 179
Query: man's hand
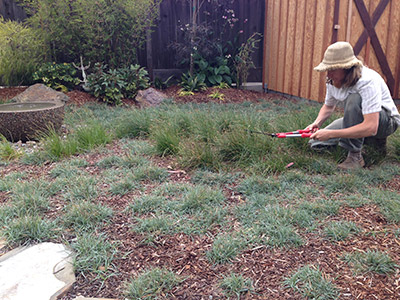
x: 321, y: 135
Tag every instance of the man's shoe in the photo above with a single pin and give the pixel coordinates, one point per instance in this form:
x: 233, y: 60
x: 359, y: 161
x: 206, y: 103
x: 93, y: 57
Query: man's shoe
x: 352, y: 163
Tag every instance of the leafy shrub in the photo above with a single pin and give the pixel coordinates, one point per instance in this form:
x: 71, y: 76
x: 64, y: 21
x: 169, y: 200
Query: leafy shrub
x: 113, y: 85
x: 192, y: 83
x: 21, y: 50
x: 57, y: 76
x: 212, y: 72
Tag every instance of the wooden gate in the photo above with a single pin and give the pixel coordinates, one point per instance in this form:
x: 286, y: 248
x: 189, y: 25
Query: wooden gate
x: 297, y: 33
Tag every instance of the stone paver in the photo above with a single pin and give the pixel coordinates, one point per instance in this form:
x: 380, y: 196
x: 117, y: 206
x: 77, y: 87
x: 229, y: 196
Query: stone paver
x: 39, y: 272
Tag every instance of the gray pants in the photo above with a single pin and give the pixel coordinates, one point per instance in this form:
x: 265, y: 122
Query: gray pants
x: 353, y: 116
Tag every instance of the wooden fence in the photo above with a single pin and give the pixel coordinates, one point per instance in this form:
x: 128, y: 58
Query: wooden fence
x: 158, y: 55
x: 297, y: 33
x: 11, y: 11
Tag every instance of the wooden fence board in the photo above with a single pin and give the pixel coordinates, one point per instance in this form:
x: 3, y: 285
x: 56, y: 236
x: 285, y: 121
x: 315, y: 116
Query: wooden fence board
x: 318, y: 47
x: 290, y: 48
x: 307, y: 49
x: 282, y: 44
x: 298, y: 57
x: 396, y: 27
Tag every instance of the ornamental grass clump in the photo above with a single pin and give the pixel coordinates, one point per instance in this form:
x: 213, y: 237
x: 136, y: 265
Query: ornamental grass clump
x: 150, y: 284
x: 311, y: 283
x: 371, y: 261
x: 235, y: 285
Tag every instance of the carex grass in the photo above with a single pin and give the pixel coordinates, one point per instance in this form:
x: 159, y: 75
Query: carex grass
x: 195, y: 177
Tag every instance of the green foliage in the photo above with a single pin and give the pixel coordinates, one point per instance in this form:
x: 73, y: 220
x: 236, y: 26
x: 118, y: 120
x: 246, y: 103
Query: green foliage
x: 22, y: 49
x: 341, y: 230
x: 57, y: 76
x: 162, y: 84
x: 112, y: 85
x: 101, y: 30
x: 192, y: 83
x: 93, y: 254
x: 212, y: 73
x: 225, y: 248
x: 91, y: 136
x: 85, y: 215
x: 28, y: 230
x: 217, y: 96
x: 311, y: 283
x: 243, y: 60
x: 371, y: 261
x: 7, y: 151
x: 235, y: 284
x: 135, y: 124
x: 389, y: 204
x: 150, y: 284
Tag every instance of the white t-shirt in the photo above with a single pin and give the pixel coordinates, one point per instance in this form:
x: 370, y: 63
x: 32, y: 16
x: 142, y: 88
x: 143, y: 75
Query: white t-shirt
x: 373, y: 90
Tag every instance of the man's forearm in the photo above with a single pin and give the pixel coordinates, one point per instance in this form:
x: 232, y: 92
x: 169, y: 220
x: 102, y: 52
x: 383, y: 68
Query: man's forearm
x: 324, y: 113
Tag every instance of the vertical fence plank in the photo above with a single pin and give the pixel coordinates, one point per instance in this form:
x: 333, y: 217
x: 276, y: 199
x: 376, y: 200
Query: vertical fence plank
x: 396, y: 28
x: 288, y: 73
x: 308, y: 48
x: 322, y: 37
x: 298, y: 48
x: 274, y: 46
x: 282, y: 44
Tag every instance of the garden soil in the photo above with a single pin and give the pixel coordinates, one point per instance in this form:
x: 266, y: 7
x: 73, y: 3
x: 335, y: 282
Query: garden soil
x: 185, y: 255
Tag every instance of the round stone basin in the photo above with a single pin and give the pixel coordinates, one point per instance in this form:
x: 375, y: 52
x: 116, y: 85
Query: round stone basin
x: 30, y: 120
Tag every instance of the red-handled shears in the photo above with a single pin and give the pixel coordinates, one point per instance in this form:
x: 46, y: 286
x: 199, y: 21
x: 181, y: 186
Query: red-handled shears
x: 303, y: 133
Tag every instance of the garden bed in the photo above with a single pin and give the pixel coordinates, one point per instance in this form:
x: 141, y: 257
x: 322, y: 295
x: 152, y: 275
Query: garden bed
x: 186, y: 255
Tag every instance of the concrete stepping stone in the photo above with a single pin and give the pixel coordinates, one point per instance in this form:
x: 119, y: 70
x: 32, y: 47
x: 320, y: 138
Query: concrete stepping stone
x: 40, y: 272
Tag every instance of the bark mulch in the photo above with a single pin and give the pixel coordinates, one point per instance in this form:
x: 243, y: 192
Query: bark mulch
x: 185, y: 255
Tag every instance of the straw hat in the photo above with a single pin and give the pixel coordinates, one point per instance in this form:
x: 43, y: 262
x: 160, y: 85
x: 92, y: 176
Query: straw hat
x: 339, y: 55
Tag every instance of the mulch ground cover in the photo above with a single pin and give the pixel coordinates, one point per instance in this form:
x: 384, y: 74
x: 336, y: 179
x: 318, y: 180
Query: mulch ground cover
x: 185, y: 255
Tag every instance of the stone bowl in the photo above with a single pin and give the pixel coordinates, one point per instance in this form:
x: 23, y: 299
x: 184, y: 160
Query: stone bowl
x: 28, y: 121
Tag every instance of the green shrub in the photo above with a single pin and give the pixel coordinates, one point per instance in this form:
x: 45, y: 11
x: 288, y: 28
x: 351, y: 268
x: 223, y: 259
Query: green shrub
x: 22, y: 48
x: 214, y: 72
x: 57, y: 76
x: 192, y: 83
x: 112, y: 85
